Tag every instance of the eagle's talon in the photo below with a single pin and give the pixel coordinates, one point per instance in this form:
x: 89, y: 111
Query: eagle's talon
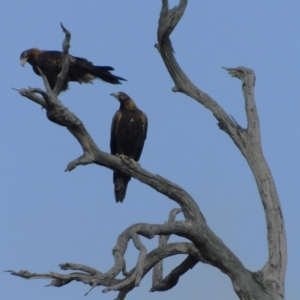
x: 123, y: 156
x: 135, y: 163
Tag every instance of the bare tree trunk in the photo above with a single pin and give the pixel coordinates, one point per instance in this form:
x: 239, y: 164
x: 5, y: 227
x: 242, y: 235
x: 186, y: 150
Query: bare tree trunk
x: 248, y: 140
x: 204, y: 246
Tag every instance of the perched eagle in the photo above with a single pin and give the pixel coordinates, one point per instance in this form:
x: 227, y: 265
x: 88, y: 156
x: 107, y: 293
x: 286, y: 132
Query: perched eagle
x: 80, y: 69
x: 128, y: 134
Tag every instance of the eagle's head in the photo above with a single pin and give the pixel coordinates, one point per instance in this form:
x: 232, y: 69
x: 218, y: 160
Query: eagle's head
x: 28, y: 54
x: 125, y: 101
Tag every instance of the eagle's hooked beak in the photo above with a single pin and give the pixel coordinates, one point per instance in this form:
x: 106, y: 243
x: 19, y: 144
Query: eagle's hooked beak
x: 23, y: 61
x: 116, y: 95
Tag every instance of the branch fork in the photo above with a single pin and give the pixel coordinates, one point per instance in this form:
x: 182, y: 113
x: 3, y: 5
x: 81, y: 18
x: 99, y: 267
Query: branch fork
x: 204, y: 245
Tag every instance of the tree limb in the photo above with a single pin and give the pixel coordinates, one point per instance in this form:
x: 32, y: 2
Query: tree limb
x: 65, y: 62
x: 96, y: 278
x: 275, y: 268
x: 247, y: 140
x: 172, y: 279
x: 145, y: 263
x: 194, y: 227
x: 157, y: 274
x: 206, y: 246
x: 31, y: 94
x: 60, y: 115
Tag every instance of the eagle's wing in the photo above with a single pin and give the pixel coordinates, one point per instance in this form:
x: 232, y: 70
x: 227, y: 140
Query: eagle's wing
x: 140, y: 143
x: 114, y: 132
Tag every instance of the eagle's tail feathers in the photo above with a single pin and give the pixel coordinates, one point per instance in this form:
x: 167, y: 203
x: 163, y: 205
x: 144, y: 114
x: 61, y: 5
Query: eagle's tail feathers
x: 120, y: 182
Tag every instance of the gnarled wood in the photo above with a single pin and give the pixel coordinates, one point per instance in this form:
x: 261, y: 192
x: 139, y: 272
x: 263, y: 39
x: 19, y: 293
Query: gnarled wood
x: 204, y: 245
x: 91, y: 276
x: 248, y: 140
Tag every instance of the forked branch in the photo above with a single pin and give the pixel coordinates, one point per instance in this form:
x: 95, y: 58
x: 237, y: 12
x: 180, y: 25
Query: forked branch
x: 205, y: 246
x: 59, y: 114
x: 66, y: 62
x: 145, y: 263
x: 247, y: 140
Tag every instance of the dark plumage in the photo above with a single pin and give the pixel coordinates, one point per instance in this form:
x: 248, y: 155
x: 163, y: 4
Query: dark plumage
x: 128, y: 134
x: 80, y: 69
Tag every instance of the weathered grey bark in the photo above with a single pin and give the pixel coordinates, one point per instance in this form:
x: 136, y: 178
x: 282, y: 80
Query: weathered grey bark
x: 204, y: 245
x: 248, y: 140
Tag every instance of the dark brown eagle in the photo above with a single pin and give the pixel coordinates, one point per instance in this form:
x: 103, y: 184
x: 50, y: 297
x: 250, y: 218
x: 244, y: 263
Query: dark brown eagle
x: 128, y: 134
x: 80, y: 69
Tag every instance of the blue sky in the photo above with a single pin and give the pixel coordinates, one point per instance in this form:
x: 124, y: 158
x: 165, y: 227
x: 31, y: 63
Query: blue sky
x: 48, y: 217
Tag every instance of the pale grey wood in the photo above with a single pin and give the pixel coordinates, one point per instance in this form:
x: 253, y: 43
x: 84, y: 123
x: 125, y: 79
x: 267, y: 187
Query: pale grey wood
x: 248, y: 140
x: 204, y: 246
x: 157, y: 274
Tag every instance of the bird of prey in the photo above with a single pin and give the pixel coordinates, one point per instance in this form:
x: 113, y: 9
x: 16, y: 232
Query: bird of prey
x: 128, y: 134
x: 80, y: 69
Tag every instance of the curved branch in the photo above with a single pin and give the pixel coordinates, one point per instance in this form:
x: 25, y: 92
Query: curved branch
x: 59, y: 280
x: 95, y: 278
x: 157, y: 274
x: 209, y: 248
x: 275, y: 268
x: 141, y: 259
x: 145, y: 263
x: 195, y: 229
x: 47, y: 85
x: 65, y: 60
x: 61, y: 115
x: 31, y: 94
x: 148, y: 231
x: 247, y: 140
x: 247, y: 76
x: 92, y: 276
x: 170, y: 18
x: 172, y: 279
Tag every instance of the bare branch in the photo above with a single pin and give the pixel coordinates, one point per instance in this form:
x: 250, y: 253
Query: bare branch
x: 247, y: 76
x: 157, y: 274
x: 194, y: 228
x: 83, y: 160
x: 169, y: 19
x: 172, y: 279
x: 59, y: 280
x: 275, y: 268
x: 206, y: 246
x: 61, y: 78
x: 141, y: 259
x: 30, y: 94
x: 96, y: 278
x: 47, y: 85
x: 93, y: 277
x: 60, y: 115
x: 79, y: 267
x: 132, y: 232
x: 247, y: 140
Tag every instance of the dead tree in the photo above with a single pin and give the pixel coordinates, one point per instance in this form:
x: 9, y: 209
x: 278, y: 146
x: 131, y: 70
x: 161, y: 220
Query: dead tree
x: 204, y: 245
